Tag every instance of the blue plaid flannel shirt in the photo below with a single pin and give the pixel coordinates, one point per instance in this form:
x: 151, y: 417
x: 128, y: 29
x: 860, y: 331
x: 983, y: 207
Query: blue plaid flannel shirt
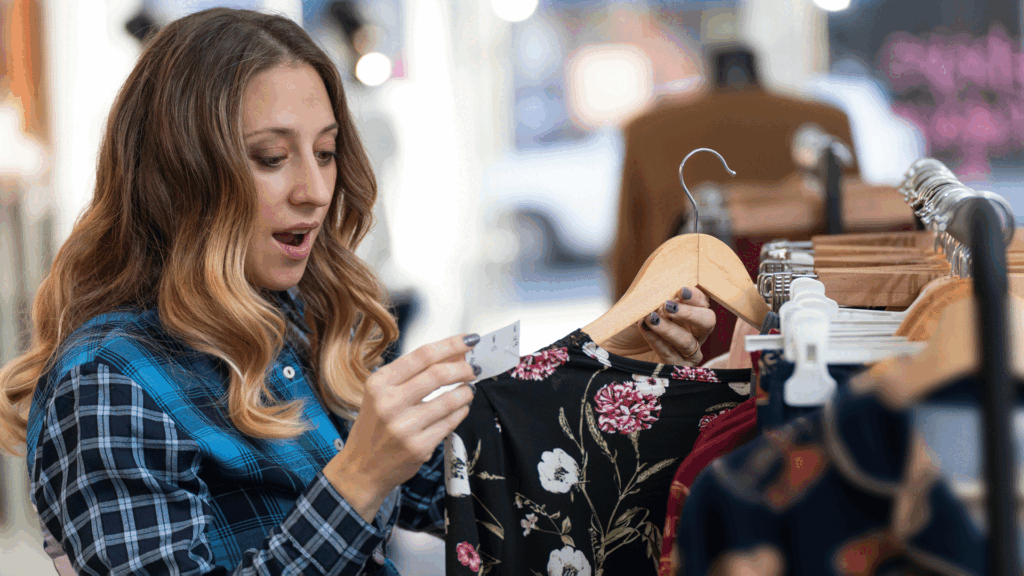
x: 135, y: 468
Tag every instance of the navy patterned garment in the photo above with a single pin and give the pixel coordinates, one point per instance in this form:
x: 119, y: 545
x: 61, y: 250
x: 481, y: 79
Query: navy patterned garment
x: 849, y: 490
x: 775, y: 371
x: 565, y: 462
x: 136, y: 469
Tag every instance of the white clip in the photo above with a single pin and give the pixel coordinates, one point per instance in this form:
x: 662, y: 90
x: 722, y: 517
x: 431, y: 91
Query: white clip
x: 810, y: 384
x: 804, y: 284
x: 828, y: 304
x: 807, y: 301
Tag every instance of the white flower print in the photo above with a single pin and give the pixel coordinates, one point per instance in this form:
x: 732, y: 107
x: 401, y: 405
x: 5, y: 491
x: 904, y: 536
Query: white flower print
x: 528, y: 523
x: 558, y: 471
x: 568, y: 562
x: 456, y: 466
x: 597, y: 353
x: 650, y: 384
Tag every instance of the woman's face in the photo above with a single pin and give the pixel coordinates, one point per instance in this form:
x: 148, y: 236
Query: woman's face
x: 289, y: 129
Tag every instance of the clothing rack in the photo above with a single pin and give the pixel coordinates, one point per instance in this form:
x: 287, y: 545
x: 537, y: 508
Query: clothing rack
x: 990, y: 289
x: 833, y: 193
x: 973, y: 230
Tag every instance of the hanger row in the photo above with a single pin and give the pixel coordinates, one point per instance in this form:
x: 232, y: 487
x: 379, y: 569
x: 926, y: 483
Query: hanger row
x: 882, y: 270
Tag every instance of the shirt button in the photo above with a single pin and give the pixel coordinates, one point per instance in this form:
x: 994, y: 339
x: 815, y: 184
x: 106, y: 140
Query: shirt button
x: 338, y: 444
x: 289, y: 372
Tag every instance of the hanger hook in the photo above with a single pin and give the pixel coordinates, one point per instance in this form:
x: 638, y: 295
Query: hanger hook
x: 693, y: 202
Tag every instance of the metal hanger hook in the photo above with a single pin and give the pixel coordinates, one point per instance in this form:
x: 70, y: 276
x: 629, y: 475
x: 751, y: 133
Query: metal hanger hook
x: 696, y: 219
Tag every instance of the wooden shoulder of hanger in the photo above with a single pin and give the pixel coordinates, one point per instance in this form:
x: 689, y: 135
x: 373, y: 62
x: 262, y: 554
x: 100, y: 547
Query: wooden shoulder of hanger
x: 695, y: 260
x: 922, y: 318
x: 952, y: 350
x: 882, y: 286
x: 907, y: 239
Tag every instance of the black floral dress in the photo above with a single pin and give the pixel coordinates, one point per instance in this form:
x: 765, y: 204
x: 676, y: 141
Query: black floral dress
x: 564, y: 464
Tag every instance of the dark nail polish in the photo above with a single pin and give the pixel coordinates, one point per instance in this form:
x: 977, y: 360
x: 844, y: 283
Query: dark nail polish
x: 472, y: 387
x: 687, y: 294
x: 644, y: 326
x: 671, y: 307
x: 471, y: 340
x: 655, y: 319
x: 476, y: 369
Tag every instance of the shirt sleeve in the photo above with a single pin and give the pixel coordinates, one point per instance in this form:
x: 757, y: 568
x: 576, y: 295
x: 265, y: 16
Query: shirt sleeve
x: 423, y: 498
x: 116, y: 482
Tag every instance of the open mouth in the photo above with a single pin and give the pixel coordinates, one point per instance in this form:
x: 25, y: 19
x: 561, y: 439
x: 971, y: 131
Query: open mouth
x: 289, y: 238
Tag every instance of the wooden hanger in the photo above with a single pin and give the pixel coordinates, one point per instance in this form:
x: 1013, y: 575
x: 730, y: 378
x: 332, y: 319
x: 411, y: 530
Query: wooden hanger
x: 696, y: 260
x: 951, y: 353
x: 922, y: 318
x: 690, y: 260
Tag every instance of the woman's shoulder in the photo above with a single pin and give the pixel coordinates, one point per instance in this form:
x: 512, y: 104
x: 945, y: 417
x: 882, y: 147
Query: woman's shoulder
x: 127, y: 346
x: 133, y: 344
x: 118, y: 338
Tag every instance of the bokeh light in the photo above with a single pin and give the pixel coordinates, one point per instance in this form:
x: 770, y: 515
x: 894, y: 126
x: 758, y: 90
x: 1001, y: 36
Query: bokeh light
x: 833, y: 5
x: 373, y: 69
x: 514, y: 10
x: 609, y: 82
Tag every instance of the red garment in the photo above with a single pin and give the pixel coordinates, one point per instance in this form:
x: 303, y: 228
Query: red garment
x: 721, y: 436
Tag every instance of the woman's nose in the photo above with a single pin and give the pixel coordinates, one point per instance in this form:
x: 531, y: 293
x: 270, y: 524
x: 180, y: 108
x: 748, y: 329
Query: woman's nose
x: 311, y: 184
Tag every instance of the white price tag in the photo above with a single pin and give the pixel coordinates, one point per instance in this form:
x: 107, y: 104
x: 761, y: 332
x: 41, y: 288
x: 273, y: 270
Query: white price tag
x: 496, y: 352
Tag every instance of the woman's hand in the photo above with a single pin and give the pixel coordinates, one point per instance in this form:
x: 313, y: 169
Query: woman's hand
x: 395, y: 432
x: 672, y: 334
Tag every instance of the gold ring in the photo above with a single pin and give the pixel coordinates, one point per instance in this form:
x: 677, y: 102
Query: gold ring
x: 695, y: 350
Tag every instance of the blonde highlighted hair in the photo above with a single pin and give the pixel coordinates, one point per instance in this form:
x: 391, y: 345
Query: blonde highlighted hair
x: 170, y: 221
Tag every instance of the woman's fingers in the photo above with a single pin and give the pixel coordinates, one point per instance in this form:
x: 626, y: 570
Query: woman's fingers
x: 421, y: 372
x: 674, y: 343
x: 415, y: 428
x: 427, y: 414
x: 442, y: 415
x: 677, y: 329
x: 701, y: 320
x: 666, y: 353
x: 408, y: 366
x: 445, y: 426
x: 693, y: 297
x: 437, y: 376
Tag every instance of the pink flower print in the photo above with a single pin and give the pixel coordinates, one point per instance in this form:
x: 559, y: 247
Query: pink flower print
x: 623, y: 409
x: 540, y: 365
x: 467, y: 556
x: 708, y: 418
x: 694, y: 374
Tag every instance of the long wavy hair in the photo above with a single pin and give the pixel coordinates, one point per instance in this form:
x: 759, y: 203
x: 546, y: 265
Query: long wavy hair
x: 169, y: 225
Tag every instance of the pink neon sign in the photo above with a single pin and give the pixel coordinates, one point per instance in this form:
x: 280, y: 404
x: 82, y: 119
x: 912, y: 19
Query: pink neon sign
x: 976, y: 92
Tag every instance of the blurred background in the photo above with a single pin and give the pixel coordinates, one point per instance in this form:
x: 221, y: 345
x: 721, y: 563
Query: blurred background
x: 527, y: 150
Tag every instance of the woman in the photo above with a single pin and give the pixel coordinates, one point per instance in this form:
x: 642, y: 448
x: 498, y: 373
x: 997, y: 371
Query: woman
x: 202, y: 391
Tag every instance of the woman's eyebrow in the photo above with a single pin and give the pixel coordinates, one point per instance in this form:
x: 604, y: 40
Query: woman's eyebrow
x: 282, y: 131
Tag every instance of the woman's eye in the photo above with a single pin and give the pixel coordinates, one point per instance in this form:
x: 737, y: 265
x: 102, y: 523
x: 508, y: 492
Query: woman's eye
x: 270, y: 161
x: 327, y: 157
